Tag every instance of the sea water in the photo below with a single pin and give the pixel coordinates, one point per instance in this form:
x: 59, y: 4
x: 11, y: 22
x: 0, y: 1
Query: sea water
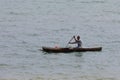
x: 27, y: 25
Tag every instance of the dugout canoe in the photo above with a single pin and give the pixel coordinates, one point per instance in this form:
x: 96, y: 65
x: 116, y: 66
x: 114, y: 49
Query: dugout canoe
x: 67, y: 50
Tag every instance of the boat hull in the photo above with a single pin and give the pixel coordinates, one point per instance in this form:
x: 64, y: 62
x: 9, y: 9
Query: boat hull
x: 66, y: 50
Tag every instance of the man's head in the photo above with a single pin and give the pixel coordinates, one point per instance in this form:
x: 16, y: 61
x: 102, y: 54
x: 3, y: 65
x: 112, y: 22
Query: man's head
x: 78, y: 37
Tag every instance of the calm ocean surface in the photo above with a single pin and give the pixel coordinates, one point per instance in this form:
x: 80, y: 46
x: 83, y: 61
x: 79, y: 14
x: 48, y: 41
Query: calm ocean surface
x: 27, y: 25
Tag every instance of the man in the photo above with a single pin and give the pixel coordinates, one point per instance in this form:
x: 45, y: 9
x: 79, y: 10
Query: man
x: 77, y: 41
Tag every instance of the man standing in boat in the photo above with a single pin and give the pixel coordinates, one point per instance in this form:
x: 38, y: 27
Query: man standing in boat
x: 77, y: 41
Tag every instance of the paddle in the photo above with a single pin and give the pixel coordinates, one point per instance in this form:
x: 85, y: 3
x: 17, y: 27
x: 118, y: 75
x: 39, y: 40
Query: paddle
x: 69, y: 41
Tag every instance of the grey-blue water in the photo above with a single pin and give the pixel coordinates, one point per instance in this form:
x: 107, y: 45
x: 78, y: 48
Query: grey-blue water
x: 27, y: 25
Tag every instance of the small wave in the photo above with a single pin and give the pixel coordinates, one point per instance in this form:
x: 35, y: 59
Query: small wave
x: 17, y: 13
x: 111, y: 42
x: 92, y: 2
x: 115, y: 41
x: 3, y: 65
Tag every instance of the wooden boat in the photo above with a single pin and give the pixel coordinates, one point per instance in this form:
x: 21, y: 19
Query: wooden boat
x: 66, y: 50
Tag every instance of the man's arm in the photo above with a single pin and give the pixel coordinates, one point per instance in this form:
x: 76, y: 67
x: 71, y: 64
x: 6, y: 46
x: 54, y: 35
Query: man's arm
x: 72, y: 42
